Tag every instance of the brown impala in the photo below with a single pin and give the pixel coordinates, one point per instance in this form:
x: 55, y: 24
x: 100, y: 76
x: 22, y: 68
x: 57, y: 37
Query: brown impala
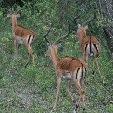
x: 21, y: 35
x: 89, y: 45
x: 66, y: 67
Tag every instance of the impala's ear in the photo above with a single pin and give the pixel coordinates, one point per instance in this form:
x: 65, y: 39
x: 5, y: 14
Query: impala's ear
x: 9, y: 15
x: 59, y: 44
x: 18, y: 15
x: 48, y: 44
x: 86, y: 26
x: 79, y: 25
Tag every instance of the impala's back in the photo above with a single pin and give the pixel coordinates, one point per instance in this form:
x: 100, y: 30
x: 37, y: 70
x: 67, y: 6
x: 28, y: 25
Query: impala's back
x: 21, y: 31
x: 71, y: 66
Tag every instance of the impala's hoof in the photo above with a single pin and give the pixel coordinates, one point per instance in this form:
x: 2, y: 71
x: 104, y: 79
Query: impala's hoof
x: 74, y: 111
x: 74, y: 101
x: 76, y: 107
x: 52, y: 110
x: 81, y: 100
x: 93, y: 72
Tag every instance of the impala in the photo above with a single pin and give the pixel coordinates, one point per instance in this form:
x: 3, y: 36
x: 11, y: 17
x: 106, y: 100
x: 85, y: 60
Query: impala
x: 66, y: 67
x: 21, y: 35
x: 89, y: 45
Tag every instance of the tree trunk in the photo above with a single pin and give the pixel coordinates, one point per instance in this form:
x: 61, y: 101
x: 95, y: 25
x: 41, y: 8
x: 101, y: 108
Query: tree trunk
x: 63, y: 7
x: 106, y: 11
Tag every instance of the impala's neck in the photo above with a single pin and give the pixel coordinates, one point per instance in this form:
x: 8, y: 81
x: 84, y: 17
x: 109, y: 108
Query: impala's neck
x: 81, y: 34
x: 54, y: 55
x: 14, y: 23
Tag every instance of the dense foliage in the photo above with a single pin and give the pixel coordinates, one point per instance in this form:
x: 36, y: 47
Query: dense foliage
x: 33, y: 89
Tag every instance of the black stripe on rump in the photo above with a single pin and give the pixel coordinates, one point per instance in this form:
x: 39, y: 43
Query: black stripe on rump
x: 82, y: 70
x: 77, y: 72
x: 29, y: 38
x: 86, y: 47
x: 95, y: 47
x: 90, y: 45
x: 33, y: 38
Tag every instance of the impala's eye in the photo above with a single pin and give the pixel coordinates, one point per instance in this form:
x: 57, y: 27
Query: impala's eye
x: 48, y: 44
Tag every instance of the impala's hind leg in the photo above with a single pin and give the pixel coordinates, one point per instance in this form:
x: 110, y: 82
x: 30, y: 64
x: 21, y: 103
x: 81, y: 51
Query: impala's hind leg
x: 97, y: 66
x: 68, y: 90
x: 82, y: 95
x: 81, y: 98
x: 27, y: 60
x: 93, y: 67
x: 30, y: 52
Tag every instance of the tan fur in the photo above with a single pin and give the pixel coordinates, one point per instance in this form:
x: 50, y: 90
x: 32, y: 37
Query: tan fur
x: 23, y: 32
x: 86, y: 40
x: 69, y: 63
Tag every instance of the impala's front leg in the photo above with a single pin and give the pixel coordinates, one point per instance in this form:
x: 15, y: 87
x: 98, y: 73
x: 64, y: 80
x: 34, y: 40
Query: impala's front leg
x: 16, y: 48
x: 58, y: 89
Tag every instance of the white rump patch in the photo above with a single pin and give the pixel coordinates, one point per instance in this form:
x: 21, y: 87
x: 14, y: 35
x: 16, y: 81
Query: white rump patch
x: 78, y: 74
x: 31, y: 39
x: 93, y: 49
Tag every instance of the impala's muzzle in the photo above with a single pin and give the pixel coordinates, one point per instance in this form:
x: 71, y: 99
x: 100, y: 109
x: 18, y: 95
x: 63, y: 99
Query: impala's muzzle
x: 47, y: 54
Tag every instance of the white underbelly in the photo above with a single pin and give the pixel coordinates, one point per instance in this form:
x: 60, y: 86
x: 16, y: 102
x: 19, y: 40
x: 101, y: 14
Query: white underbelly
x: 67, y: 75
x: 19, y: 39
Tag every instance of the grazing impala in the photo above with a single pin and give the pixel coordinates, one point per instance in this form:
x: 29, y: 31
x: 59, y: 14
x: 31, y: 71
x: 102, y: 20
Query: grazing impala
x: 66, y: 67
x: 21, y: 35
x: 89, y: 45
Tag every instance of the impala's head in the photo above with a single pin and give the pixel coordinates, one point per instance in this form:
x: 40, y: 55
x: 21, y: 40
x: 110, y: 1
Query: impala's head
x: 52, y: 47
x: 81, y: 31
x: 13, y: 15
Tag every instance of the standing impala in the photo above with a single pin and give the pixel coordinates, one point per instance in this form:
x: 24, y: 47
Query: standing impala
x: 21, y: 35
x: 66, y: 67
x: 89, y: 45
